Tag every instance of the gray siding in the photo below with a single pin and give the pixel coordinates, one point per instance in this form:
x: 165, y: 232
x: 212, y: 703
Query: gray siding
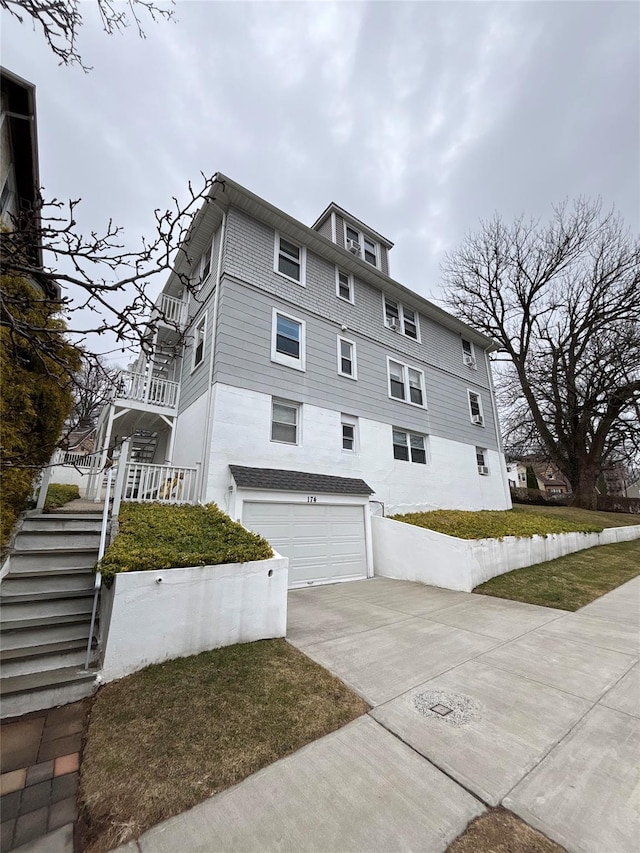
x: 384, y: 259
x: 248, y: 256
x: 325, y: 228
x: 200, y: 299
x: 194, y: 383
x: 243, y: 359
x: 339, y: 231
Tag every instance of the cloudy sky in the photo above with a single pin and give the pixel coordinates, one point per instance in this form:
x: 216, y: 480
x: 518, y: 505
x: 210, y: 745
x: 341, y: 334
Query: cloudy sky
x: 421, y: 118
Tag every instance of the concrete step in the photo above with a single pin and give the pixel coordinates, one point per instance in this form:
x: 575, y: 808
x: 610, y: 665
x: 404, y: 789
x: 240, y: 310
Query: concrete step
x: 56, y: 540
x: 47, y: 606
x: 62, y: 521
x: 45, y: 560
x: 70, y: 653
x: 44, y: 585
x: 32, y: 633
x: 22, y: 694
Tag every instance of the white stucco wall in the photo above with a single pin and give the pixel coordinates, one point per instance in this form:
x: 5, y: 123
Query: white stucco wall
x: 70, y: 476
x: 241, y: 436
x: 406, y: 552
x: 150, y: 617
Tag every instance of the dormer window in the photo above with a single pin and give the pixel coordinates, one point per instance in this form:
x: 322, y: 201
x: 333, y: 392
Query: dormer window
x: 360, y: 245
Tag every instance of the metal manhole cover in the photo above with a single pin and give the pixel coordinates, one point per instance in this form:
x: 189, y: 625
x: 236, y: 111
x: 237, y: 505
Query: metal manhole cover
x: 455, y: 709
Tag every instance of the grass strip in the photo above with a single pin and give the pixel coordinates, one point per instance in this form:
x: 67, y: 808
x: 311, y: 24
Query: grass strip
x: 569, y: 582
x: 169, y: 736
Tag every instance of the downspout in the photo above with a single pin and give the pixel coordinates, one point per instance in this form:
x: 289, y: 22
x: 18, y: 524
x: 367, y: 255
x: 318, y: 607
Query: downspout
x: 206, y: 441
x: 503, y: 465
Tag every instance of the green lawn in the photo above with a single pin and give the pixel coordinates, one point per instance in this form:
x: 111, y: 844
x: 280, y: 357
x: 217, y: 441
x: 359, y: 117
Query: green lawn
x: 569, y: 513
x: 570, y: 582
x: 169, y: 736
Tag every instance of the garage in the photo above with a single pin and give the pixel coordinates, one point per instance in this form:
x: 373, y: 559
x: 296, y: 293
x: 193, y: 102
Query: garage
x: 319, y: 522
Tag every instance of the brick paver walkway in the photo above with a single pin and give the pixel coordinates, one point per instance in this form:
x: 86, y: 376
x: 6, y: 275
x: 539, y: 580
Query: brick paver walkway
x: 40, y: 760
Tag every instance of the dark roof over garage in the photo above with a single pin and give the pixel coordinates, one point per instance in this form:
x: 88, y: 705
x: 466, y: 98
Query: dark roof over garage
x: 297, y: 481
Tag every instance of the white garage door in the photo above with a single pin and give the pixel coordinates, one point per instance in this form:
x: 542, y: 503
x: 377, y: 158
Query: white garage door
x: 323, y: 542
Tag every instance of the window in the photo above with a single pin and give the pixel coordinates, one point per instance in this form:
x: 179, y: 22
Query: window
x: 468, y: 354
x: 205, y: 263
x: 344, y: 285
x: 347, y: 358
x: 522, y: 477
x: 366, y: 248
x: 406, y: 383
x: 475, y: 408
x: 289, y: 260
x: 409, y: 447
x: 284, y: 421
x: 401, y: 319
x: 288, y: 340
x: 481, y: 459
x: 349, y: 427
x: 199, y: 334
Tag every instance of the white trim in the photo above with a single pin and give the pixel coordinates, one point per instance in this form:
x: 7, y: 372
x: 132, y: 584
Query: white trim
x: 349, y: 275
x: 408, y: 434
x: 405, y: 369
x: 201, y: 322
x: 352, y: 421
x: 354, y: 360
x: 401, y: 318
x: 303, y: 259
x: 282, y: 358
x: 361, y: 238
x: 334, y: 235
x: 277, y: 401
x: 477, y: 394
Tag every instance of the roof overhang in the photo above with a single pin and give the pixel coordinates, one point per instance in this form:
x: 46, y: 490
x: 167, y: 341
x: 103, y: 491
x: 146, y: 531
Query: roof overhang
x: 280, y: 480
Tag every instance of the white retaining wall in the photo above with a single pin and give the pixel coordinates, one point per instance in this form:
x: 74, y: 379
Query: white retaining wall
x: 150, y: 617
x: 406, y: 552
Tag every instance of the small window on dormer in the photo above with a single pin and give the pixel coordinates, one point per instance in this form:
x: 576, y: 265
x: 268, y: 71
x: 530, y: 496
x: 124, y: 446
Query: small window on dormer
x: 360, y: 245
x: 370, y: 252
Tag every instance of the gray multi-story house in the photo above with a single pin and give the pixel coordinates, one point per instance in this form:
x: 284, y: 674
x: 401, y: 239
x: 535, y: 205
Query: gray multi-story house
x: 312, y: 387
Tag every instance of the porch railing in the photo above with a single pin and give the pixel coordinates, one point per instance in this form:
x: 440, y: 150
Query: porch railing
x: 147, y: 389
x: 160, y: 483
x: 171, y: 310
x: 89, y: 461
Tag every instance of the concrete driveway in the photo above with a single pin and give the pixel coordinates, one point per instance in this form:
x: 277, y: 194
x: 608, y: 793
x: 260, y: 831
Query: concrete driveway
x: 535, y: 708
x: 475, y: 701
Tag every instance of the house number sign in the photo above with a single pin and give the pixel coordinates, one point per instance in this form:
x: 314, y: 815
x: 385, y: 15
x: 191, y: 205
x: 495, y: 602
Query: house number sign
x: 311, y: 499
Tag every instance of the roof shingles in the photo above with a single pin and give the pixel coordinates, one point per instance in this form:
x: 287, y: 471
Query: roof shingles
x: 297, y: 481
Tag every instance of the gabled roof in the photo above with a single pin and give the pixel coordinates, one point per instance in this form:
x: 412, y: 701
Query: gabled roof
x: 346, y: 215
x: 277, y: 479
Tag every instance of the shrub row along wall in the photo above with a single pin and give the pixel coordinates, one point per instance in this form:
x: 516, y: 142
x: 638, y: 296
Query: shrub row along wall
x: 406, y: 552
x: 614, y: 503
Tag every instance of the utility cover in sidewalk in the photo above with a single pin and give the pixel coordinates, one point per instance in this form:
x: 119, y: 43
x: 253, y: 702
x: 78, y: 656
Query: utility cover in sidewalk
x: 452, y: 708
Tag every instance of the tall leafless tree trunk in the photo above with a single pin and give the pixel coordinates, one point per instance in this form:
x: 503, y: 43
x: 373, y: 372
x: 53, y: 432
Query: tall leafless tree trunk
x: 562, y: 300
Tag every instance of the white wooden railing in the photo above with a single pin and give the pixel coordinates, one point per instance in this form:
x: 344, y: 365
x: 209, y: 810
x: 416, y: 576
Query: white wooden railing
x: 147, y: 389
x: 168, y: 484
x: 172, y: 310
x: 76, y: 459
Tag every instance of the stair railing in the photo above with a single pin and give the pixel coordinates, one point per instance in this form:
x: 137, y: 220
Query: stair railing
x: 97, y: 583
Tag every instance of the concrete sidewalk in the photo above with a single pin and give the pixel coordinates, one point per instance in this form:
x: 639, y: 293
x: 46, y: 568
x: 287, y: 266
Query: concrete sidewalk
x: 476, y: 701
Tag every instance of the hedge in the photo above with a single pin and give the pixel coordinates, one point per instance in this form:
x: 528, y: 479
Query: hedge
x: 59, y: 494
x: 155, y: 536
x: 538, y: 497
x: 493, y: 524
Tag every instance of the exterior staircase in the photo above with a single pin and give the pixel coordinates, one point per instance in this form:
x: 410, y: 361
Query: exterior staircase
x: 46, y: 599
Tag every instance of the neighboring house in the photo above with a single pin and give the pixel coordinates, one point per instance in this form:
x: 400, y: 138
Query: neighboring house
x: 517, y: 475
x: 19, y: 174
x: 310, y: 385
x: 548, y: 476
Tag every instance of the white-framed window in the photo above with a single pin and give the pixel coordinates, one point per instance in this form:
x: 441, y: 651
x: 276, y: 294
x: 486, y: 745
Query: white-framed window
x: 289, y: 259
x: 409, y: 446
x: 356, y: 242
x: 287, y: 340
x: 347, y: 365
x: 468, y: 354
x: 475, y: 408
x: 406, y: 383
x: 349, y: 429
x: 344, y: 285
x: 199, y: 337
x: 481, y: 459
x: 401, y: 319
x: 285, y: 422
x: 522, y: 477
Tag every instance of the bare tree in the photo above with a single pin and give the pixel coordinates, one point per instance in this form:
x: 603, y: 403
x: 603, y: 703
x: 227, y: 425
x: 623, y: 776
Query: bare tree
x: 93, y: 387
x: 562, y: 300
x: 60, y: 20
x: 106, y: 288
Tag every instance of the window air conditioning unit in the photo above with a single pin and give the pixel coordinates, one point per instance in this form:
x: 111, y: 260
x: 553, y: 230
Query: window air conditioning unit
x: 353, y: 246
x: 393, y: 324
x: 477, y: 419
x: 469, y: 360
x: 483, y: 469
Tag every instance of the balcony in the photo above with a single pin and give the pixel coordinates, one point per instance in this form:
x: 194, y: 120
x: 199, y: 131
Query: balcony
x: 150, y: 390
x: 170, y: 312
